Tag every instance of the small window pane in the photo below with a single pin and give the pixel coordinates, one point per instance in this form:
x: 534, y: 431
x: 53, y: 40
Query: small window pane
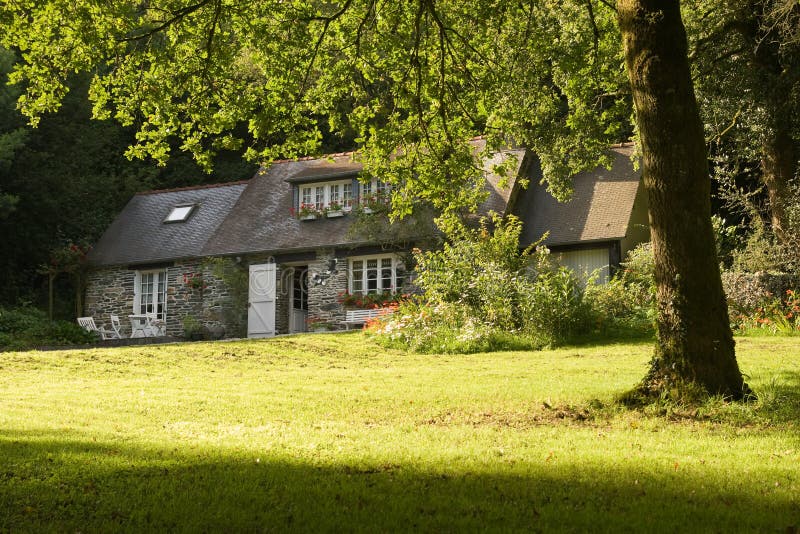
x: 179, y: 213
x: 347, y: 195
x: 319, y: 197
x: 358, y: 276
x: 306, y: 199
x: 335, y: 194
x: 366, y: 190
x: 386, y: 274
x: 372, y: 276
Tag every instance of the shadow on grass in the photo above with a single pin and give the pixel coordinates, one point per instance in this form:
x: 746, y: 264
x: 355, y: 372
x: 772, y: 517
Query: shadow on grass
x: 62, y: 482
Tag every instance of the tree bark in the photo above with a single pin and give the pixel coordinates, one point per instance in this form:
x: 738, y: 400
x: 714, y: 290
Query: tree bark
x: 695, y: 344
x: 778, y: 148
x: 778, y: 168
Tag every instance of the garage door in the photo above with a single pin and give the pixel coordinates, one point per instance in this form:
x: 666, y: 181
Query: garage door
x: 586, y: 262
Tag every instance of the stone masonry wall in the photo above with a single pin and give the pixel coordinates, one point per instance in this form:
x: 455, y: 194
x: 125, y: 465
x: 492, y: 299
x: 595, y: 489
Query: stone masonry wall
x: 323, y: 303
x: 110, y: 291
x: 746, y: 291
x: 182, y: 300
x: 217, y: 306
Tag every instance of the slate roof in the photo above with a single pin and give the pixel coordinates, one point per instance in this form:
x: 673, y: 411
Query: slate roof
x: 255, y: 216
x: 600, y: 208
x: 261, y: 221
x: 139, y: 235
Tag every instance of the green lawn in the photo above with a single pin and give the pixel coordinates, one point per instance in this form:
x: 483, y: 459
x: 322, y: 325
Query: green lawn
x: 332, y: 433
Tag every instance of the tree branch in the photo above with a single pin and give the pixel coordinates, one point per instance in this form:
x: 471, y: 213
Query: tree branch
x: 176, y: 16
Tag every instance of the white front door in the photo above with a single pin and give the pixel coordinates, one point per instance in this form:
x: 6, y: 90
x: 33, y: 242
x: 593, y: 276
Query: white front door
x: 261, y: 301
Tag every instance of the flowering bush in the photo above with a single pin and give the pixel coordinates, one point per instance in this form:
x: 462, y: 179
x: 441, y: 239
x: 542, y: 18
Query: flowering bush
x: 375, y: 202
x: 482, y: 293
x: 371, y: 300
x: 777, y: 315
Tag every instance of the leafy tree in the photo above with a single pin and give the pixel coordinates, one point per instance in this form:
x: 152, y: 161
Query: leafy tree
x: 414, y: 80
x: 66, y: 180
x: 746, y: 58
x: 13, y: 132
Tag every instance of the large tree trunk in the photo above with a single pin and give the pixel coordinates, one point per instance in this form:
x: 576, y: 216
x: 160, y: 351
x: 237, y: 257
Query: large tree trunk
x: 695, y: 345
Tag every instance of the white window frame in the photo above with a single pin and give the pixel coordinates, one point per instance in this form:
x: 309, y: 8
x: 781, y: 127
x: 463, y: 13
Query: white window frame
x: 374, y: 190
x: 320, y: 195
x: 142, y: 304
x: 361, y: 285
x: 180, y: 213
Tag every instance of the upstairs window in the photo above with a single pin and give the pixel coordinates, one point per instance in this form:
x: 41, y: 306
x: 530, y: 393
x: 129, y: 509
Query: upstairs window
x: 338, y: 194
x: 341, y: 195
x: 180, y: 213
x: 347, y: 195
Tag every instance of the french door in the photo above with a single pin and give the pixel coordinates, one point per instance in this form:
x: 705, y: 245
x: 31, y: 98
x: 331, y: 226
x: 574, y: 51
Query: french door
x: 151, y: 293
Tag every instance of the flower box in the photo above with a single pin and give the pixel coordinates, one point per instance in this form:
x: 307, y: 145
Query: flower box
x: 308, y: 217
x: 334, y: 213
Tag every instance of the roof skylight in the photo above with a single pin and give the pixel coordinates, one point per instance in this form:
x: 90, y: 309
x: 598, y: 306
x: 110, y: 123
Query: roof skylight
x: 180, y: 213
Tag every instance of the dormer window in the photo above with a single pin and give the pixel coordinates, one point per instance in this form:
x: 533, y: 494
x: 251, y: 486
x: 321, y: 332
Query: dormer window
x: 334, y: 198
x: 180, y: 213
x: 328, y: 195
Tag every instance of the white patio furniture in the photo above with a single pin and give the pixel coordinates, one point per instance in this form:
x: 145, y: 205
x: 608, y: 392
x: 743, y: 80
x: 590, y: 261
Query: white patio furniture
x: 359, y: 317
x: 146, y: 325
x: 157, y: 326
x: 88, y: 324
x: 116, y: 325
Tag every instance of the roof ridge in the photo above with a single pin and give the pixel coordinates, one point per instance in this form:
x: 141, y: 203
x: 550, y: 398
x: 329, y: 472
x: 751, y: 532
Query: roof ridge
x: 191, y: 187
x: 309, y: 158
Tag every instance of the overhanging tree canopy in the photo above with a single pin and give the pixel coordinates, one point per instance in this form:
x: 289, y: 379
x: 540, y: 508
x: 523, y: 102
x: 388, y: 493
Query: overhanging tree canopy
x: 412, y: 81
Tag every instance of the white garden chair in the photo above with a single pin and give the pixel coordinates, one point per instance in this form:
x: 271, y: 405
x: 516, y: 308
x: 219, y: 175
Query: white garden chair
x: 88, y: 324
x: 156, y: 325
x: 116, y: 326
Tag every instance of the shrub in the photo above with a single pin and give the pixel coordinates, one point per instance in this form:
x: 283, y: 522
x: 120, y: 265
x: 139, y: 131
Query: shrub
x: 626, y: 304
x: 776, y: 315
x: 25, y: 328
x: 553, y: 306
x: 481, y: 293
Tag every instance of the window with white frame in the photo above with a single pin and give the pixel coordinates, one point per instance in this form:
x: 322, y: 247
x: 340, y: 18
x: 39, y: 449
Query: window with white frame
x: 374, y: 192
x: 338, y: 194
x: 150, y: 293
x: 374, y: 274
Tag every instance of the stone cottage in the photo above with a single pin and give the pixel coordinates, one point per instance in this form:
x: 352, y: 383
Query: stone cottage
x: 278, y: 251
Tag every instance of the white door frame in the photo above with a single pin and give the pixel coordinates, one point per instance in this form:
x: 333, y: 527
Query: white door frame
x: 261, y: 300
x: 297, y: 317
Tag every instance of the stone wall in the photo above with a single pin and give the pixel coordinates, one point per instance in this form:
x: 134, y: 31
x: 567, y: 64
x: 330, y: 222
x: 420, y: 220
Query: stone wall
x: 110, y: 291
x: 182, y: 300
x: 323, y: 300
x: 217, y: 306
x: 746, y: 291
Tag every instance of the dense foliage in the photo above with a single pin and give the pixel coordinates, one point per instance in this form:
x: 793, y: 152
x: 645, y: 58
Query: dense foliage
x: 26, y: 328
x: 64, y: 182
x: 480, y: 292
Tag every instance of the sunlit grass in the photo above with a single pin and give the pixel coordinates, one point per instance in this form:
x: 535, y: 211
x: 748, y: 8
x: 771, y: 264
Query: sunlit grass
x: 333, y: 432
